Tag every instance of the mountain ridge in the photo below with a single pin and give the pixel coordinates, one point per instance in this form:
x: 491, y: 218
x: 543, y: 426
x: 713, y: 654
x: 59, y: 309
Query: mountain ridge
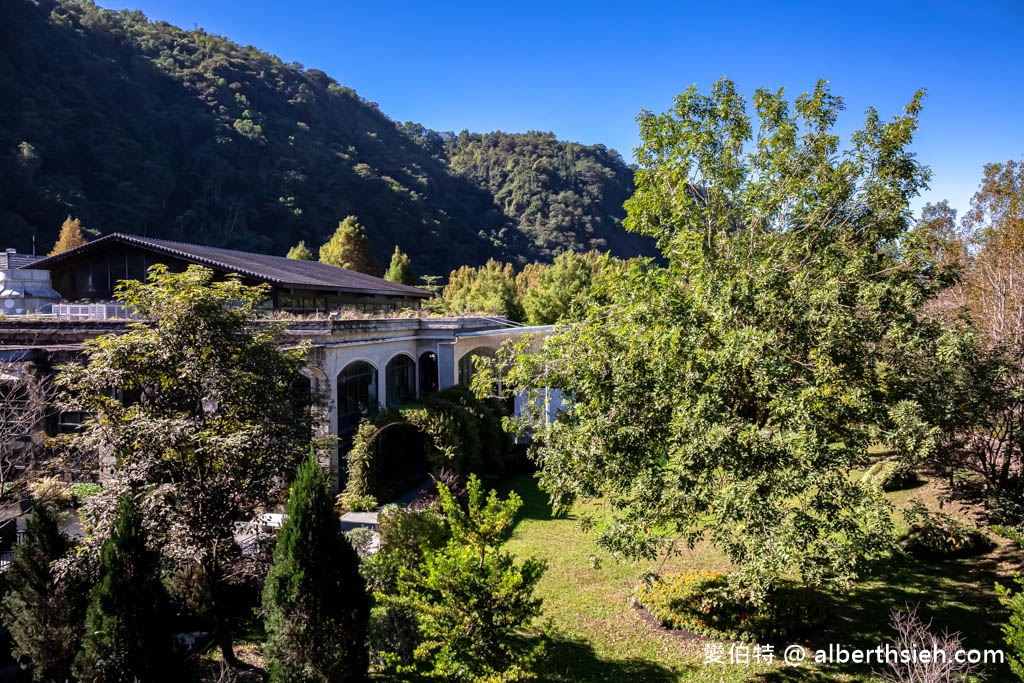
x: 146, y: 128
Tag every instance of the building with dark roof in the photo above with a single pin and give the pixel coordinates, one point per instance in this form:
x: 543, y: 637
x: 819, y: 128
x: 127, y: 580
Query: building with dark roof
x: 11, y: 259
x: 91, y: 272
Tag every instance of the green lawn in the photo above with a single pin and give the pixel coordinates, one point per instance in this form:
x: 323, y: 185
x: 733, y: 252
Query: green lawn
x: 602, y: 638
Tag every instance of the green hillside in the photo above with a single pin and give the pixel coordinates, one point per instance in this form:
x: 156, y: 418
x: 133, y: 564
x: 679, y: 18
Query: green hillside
x: 142, y: 127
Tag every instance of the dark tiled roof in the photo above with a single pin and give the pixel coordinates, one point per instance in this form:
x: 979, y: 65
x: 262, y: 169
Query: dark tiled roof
x: 10, y: 261
x: 277, y: 270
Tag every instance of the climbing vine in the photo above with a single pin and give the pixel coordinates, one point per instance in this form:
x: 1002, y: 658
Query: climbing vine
x: 463, y: 434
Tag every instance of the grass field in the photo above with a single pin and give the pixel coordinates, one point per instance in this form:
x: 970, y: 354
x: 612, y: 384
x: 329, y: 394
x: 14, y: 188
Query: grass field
x: 600, y: 637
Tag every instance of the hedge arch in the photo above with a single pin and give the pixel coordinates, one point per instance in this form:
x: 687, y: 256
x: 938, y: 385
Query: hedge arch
x: 463, y: 434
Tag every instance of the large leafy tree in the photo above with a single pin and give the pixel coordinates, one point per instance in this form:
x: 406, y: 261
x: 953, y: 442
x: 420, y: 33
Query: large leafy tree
x: 728, y: 394
x: 349, y: 249
x: 984, y: 384
x: 204, y: 420
x: 315, y: 601
x: 491, y: 288
x: 557, y: 290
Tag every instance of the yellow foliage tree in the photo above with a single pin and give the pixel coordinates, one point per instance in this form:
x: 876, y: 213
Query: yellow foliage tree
x: 349, y: 249
x: 70, y: 236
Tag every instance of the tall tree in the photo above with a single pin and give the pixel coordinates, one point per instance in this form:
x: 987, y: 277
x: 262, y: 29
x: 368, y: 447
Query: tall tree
x: 491, y: 288
x: 983, y: 379
x: 349, y: 249
x: 997, y: 208
x: 300, y: 252
x: 558, y: 288
x: 70, y: 236
x: 207, y: 420
x: 315, y: 602
x: 126, y: 639
x: 42, y: 614
x: 993, y: 286
x: 729, y: 394
x: 400, y: 269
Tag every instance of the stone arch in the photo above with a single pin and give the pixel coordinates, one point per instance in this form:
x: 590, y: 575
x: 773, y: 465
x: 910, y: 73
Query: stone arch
x: 466, y: 367
x: 400, y: 379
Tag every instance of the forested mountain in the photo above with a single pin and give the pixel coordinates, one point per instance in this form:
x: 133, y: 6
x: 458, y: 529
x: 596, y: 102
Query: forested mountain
x: 560, y: 194
x: 142, y: 127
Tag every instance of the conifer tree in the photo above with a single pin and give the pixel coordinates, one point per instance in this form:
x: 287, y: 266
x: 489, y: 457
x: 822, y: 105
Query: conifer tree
x: 349, y: 249
x: 124, y: 641
x: 70, y: 236
x: 400, y: 270
x: 300, y: 252
x: 314, y: 602
x: 41, y: 615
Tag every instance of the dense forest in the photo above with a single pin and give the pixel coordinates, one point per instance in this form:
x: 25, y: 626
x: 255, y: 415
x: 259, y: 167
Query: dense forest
x: 142, y: 127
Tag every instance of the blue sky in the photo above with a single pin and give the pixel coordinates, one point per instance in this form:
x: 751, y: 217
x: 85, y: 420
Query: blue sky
x: 585, y: 69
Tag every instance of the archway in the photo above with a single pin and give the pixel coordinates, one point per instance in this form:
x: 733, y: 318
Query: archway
x: 400, y: 376
x: 428, y: 373
x: 466, y: 367
x: 357, y: 395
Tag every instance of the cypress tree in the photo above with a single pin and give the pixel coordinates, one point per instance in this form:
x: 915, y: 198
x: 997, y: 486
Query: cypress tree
x: 400, y: 270
x: 300, y: 252
x: 348, y: 248
x: 314, y: 602
x: 42, y: 616
x: 70, y: 236
x: 124, y: 638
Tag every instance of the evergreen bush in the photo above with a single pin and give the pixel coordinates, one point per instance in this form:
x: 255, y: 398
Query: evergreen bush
x: 470, y: 597
x: 315, y: 605
x: 125, y: 639
x: 42, y: 614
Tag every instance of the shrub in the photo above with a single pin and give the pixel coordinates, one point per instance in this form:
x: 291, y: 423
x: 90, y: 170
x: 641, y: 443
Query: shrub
x: 50, y: 492
x: 705, y: 603
x: 469, y: 598
x: 1005, y: 507
x: 891, y: 475
x: 82, y: 490
x: 938, y: 535
x: 405, y: 535
x: 1013, y: 630
x: 913, y: 633
x: 394, y: 630
x: 361, y: 540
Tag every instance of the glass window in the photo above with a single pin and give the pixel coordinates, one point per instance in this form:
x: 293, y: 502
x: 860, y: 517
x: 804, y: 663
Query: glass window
x: 357, y: 391
x: 401, y: 378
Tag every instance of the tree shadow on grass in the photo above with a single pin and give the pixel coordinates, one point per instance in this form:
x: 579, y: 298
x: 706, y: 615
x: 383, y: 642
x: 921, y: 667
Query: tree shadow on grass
x: 956, y: 595
x: 536, y: 504
x: 576, y: 662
